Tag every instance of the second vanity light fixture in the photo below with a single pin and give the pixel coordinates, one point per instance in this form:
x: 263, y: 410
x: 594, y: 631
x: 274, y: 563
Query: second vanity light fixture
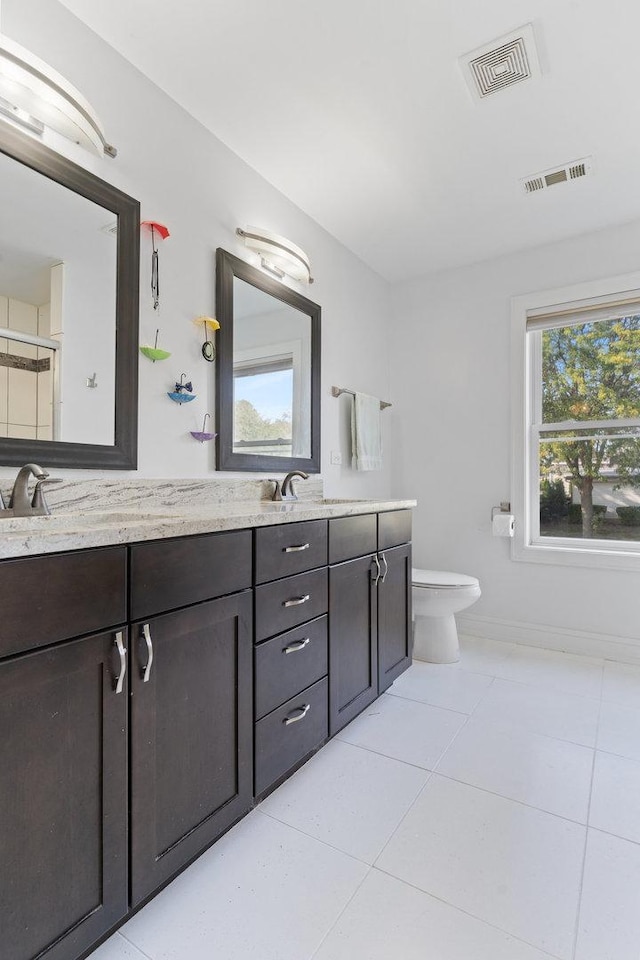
x: 35, y: 96
x: 278, y: 255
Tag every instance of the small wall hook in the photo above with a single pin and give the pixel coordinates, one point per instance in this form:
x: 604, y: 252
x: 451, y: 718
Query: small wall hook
x: 92, y: 382
x: 201, y: 435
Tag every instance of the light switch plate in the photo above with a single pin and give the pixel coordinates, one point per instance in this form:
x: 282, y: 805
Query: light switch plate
x: 336, y: 458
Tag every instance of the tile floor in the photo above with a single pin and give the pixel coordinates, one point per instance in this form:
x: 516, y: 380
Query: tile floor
x: 488, y: 810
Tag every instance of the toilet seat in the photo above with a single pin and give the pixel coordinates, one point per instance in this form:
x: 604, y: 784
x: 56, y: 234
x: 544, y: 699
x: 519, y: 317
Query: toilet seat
x: 442, y: 579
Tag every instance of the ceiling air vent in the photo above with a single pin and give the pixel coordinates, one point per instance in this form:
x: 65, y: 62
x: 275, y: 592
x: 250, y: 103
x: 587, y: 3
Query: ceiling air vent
x: 111, y: 229
x: 549, y: 178
x: 502, y: 63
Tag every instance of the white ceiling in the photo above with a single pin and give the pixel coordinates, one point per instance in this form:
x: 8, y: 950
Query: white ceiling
x: 358, y: 111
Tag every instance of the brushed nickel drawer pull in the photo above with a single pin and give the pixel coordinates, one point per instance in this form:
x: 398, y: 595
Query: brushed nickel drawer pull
x: 386, y: 567
x: 146, y: 632
x: 122, y: 653
x: 378, y: 571
x: 298, y: 645
x: 300, y: 716
x: 296, y: 601
x: 303, y: 546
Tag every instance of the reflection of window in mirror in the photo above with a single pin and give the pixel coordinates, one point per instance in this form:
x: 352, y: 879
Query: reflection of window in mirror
x: 263, y: 405
x: 271, y: 375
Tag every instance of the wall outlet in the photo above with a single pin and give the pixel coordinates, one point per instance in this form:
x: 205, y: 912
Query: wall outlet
x: 336, y: 458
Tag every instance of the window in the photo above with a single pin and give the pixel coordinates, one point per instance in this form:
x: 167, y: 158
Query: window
x: 579, y: 444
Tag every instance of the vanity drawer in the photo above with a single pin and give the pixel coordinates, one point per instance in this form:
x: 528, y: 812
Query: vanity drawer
x: 167, y: 574
x: 351, y: 537
x: 47, y: 599
x: 288, y: 663
x: 394, y: 528
x: 287, y: 735
x: 286, y: 603
x: 290, y: 548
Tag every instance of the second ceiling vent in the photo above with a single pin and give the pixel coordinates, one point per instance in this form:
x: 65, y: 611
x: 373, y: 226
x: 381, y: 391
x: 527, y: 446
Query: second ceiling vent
x: 550, y: 178
x: 502, y: 63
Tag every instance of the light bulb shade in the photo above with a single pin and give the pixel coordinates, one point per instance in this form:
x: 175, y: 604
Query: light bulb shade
x: 278, y: 252
x: 33, y: 89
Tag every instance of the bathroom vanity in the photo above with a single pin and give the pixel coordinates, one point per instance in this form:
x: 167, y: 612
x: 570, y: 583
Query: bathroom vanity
x: 163, y: 676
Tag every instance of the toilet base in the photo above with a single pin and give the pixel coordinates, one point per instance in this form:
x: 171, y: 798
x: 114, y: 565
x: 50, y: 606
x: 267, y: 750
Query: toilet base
x: 435, y: 639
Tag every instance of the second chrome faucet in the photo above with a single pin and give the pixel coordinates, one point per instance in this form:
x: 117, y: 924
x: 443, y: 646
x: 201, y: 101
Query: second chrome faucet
x: 287, y: 491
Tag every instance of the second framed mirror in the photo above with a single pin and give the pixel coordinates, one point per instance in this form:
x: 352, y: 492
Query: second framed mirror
x: 268, y: 374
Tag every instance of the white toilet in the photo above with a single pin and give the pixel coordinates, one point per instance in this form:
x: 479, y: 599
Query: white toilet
x: 437, y: 595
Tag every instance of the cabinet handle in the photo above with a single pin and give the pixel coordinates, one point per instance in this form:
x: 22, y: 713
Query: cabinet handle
x: 300, y: 716
x: 296, y: 601
x: 146, y: 633
x: 122, y: 653
x: 386, y: 567
x: 377, y: 576
x: 303, y: 546
x: 298, y: 645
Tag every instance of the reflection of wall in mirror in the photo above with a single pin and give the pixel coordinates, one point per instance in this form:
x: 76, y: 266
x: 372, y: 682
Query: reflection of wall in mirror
x: 273, y: 334
x: 54, y: 248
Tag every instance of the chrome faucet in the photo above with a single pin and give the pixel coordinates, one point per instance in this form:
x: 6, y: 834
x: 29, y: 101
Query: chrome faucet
x: 19, y: 504
x: 287, y: 492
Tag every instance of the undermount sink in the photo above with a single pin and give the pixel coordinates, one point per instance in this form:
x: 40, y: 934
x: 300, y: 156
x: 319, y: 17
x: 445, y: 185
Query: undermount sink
x: 60, y: 522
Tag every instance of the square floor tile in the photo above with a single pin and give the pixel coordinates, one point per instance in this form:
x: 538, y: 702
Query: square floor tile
x: 610, y: 909
x: 405, y: 730
x: 441, y: 685
x: 543, y: 772
x: 619, y: 730
x: 347, y: 797
x: 615, y: 801
x: 508, y: 864
x: 621, y: 684
x: 481, y: 655
x: 389, y: 920
x: 564, y: 672
x: 263, y: 891
x: 541, y: 711
x: 117, y: 948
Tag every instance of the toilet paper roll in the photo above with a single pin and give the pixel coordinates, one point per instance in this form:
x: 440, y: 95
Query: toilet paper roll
x: 503, y: 525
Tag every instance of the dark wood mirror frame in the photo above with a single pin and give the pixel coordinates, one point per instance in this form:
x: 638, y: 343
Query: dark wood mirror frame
x: 123, y: 454
x: 228, y: 267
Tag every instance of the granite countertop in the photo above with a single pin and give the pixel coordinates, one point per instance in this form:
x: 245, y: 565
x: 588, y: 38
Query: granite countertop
x: 64, y: 531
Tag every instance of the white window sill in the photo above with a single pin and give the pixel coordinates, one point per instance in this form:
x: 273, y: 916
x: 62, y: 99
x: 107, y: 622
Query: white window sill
x: 591, y: 553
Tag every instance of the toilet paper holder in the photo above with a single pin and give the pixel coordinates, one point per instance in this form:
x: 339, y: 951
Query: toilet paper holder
x: 505, y: 507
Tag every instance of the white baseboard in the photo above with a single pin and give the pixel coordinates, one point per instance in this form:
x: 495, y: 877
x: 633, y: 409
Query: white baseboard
x: 624, y: 649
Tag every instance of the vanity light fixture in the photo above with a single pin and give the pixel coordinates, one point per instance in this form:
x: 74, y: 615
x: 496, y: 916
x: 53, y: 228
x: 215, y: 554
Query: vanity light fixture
x: 278, y: 255
x: 35, y: 96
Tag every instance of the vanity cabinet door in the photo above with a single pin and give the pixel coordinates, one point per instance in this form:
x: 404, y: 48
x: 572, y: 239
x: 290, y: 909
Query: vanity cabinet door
x: 353, y: 644
x: 63, y: 798
x: 191, y: 735
x: 394, y: 615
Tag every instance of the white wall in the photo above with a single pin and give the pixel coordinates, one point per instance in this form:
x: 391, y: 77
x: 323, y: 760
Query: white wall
x: 188, y: 179
x: 451, y: 391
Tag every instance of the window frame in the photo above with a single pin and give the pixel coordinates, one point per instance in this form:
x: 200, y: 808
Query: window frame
x: 525, y: 398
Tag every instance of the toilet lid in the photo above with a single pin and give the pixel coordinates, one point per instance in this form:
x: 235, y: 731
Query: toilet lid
x: 442, y: 578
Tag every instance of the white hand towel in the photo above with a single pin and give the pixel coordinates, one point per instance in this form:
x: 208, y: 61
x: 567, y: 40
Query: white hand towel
x: 366, y: 436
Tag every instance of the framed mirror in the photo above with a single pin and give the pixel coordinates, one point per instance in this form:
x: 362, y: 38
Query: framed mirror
x: 69, y: 298
x: 268, y: 373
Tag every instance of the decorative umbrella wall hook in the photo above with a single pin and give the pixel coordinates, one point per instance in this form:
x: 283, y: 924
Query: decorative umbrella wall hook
x: 160, y: 230
x: 183, y: 392
x: 201, y: 435
x: 208, y: 347
x: 154, y: 353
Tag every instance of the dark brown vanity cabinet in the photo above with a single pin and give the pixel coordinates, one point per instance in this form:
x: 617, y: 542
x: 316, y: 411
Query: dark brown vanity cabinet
x: 140, y: 720
x: 63, y: 754
x: 369, y: 610
x: 191, y: 734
